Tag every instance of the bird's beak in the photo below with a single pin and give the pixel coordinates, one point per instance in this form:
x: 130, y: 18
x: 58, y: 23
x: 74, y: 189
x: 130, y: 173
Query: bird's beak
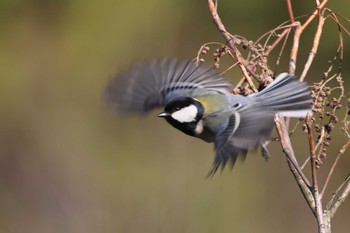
x: 163, y: 114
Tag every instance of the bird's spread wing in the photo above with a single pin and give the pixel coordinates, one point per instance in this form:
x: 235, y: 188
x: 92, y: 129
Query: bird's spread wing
x: 154, y: 83
x: 246, y: 130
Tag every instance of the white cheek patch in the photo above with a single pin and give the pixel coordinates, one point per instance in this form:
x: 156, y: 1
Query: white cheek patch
x: 186, y: 114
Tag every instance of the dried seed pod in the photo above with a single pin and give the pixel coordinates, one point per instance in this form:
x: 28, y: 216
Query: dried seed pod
x: 329, y: 127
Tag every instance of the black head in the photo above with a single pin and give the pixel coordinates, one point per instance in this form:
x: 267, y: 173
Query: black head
x: 184, y: 114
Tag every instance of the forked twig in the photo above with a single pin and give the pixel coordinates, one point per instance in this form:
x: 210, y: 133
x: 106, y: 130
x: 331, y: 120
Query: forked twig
x: 340, y: 153
x: 341, y: 198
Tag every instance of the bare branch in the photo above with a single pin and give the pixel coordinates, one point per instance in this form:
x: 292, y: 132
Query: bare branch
x: 313, y: 15
x: 316, y: 195
x: 290, y: 11
x: 299, y: 176
x: 312, y: 155
x: 342, y: 197
x: 340, y: 153
x: 231, y: 43
x: 299, y: 30
x: 295, y: 48
x: 314, y: 49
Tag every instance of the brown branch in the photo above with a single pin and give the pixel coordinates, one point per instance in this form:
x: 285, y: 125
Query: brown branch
x: 284, y: 34
x: 290, y: 11
x: 341, y: 198
x: 231, y: 44
x: 319, y: 143
x: 315, y: 192
x: 335, y: 18
x: 312, y: 154
x: 313, y: 15
x: 295, y: 48
x: 340, y: 153
x: 299, y: 176
x: 282, y: 48
x: 314, y: 47
x: 298, y: 31
x: 228, y: 37
x: 245, y: 72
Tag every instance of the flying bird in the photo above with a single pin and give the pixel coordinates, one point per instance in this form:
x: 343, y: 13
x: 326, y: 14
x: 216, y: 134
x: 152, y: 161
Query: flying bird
x: 199, y: 102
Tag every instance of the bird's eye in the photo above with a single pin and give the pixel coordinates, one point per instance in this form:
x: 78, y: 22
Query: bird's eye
x: 177, y: 108
x: 237, y: 105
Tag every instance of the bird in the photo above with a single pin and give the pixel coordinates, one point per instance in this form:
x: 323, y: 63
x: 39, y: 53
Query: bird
x: 198, y: 101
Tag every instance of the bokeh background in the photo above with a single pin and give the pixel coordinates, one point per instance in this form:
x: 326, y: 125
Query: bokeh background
x: 67, y: 164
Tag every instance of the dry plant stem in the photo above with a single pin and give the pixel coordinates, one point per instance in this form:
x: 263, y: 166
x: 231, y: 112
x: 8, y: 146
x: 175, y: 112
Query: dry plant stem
x: 335, y: 18
x: 340, y: 153
x: 313, y: 15
x: 286, y: 144
x: 245, y: 73
x: 229, y: 68
x: 204, y: 45
x: 294, y: 51
x: 274, y: 44
x: 282, y: 48
x: 299, y: 176
x: 341, y: 198
x: 315, y: 192
x: 228, y: 37
x: 312, y: 154
x: 298, y: 31
x: 320, y: 141
x: 334, y: 194
x: 290, y: 11
x: 314, y: 47
x: 230, y: 41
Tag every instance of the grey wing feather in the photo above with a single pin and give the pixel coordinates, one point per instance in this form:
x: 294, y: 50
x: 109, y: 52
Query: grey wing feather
x: 154, y: 83
x: 253, y: 129
x: 252, y: 121
x: 225, y: 151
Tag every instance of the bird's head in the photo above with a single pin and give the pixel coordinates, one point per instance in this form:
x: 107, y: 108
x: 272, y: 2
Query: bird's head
x: 184, y: 113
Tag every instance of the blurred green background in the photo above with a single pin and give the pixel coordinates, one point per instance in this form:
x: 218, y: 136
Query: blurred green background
x: 67, y: 164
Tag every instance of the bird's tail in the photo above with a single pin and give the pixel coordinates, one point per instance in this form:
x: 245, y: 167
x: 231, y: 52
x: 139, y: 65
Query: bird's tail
x: 287, y: 96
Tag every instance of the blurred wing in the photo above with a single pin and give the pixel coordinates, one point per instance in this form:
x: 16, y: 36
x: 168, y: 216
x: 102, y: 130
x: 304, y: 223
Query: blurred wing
x: 246, y: 130
x: 153, y: 84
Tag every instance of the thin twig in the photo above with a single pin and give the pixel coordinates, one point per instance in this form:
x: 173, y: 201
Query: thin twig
x: 312, y: 154
x: 315, y: 192
x: 340, y: 153
x: 231, y: 43
x: 286, y: 144
x: 298, y: 31
x: 341, y: 198
x: 335, y: 19
x: 299, y: 176
x: 282, y: 49
x: 314, y: 49
x: 335, y: 193
x: 295, y: 48
x: 320, y: 141
x: 313, y: 15
x: 290, y: 11
x: 279, y: 38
